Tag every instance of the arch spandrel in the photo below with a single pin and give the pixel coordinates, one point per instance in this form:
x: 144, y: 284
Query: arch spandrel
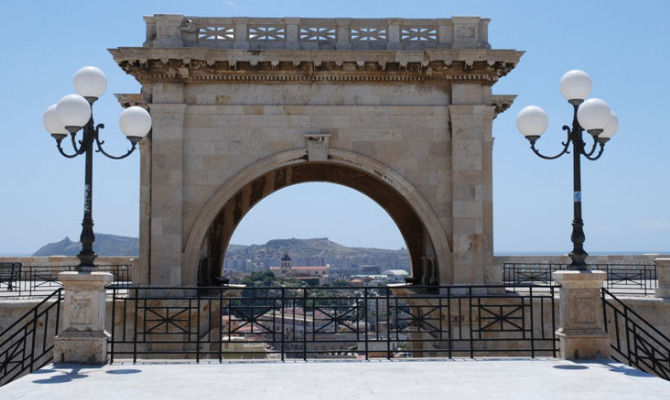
x: 413, y: 215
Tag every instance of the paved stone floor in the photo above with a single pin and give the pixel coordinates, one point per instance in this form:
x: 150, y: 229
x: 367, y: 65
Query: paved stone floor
x: 343, y: 380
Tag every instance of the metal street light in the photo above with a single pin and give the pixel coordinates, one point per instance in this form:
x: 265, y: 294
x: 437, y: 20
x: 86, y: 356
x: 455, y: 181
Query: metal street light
x: 593, y: 116
x: 74, y: 112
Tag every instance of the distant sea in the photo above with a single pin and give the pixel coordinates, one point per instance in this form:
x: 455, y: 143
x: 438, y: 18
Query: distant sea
x: 15, y: 254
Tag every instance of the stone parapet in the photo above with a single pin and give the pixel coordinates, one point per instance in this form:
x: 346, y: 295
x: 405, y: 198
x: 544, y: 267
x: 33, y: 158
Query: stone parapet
x: 581, y: 329
x: 177, y: 30
x: 663, y: 276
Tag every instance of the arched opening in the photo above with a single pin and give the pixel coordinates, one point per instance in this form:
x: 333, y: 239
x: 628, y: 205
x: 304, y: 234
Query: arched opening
x: 335, y: 230
x: 421, y: 230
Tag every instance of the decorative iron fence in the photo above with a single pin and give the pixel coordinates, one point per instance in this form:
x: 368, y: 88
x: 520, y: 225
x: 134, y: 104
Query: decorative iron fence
x: 635, y: 341
x: 27, y: 345
x: 629, y: 279
x: 17, y: 280
x: 330, y: 322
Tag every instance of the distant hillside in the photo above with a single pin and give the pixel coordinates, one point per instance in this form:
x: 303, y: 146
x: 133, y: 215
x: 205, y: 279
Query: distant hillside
x: 316, y: 251
x: 313, y: 252
x: 105, y: 245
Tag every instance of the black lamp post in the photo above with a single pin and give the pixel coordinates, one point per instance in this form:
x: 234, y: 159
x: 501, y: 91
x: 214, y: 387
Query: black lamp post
x: 593, y: 116
x: 73, y: 113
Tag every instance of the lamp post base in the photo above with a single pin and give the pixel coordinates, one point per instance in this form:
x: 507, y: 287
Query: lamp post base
x: 582, y: 345
x: 83, y: 339
x: 581, y: 330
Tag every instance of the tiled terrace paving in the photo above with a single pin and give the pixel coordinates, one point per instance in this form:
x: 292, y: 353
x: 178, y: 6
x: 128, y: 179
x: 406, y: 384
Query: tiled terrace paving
x: 351, y: 380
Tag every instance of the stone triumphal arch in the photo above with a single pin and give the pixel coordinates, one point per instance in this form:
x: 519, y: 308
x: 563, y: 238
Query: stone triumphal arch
x: 398, y: 109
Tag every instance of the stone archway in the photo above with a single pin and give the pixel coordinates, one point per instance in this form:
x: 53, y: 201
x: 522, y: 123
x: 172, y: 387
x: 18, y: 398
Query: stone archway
x: 404, y: 204
x: 403, y: 105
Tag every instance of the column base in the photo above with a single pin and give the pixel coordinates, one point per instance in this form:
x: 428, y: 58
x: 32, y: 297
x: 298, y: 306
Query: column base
x: 81, y: 347
x: 583, y: 345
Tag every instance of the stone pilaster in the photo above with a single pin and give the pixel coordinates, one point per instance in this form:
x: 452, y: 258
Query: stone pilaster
x: 582, y: 326
x: 663, y: 276
x: 83, y: 339
x: 472, y: 206
x: 167, y: 175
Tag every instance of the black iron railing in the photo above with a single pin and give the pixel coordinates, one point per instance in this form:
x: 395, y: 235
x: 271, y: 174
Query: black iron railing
x: 17, y: 280
x: 630, y: 279
x: 326, y: 322
x: 635, y: 341
x: 27, y: 345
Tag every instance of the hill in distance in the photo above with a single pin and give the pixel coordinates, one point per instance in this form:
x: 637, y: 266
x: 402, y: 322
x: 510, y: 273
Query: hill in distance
x: 104, y: 245
x: 316, y: 251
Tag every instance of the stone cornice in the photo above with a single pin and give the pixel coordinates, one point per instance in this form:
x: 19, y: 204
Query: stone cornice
x: 130, y: 99
x: 502, y: 102
x: 185, y: 64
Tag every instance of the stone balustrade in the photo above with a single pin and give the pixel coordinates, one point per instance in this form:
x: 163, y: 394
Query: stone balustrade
x: 176, y: 30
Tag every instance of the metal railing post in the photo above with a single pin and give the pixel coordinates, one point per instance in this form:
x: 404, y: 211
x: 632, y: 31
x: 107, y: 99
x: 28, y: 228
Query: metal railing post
x: 365, y: 324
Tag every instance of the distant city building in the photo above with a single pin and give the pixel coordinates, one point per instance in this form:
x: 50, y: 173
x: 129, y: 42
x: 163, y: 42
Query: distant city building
x: 316, y: 274
x: 396, y: 275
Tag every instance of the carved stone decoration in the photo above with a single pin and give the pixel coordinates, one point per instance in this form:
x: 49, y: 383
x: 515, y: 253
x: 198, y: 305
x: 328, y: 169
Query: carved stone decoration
x: 418, y: 34
x: 185, y: 65
x: 317, y: 146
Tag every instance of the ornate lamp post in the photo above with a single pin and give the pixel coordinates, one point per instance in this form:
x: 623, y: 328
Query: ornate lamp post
x: 592, y: 115
x: 73, y: 113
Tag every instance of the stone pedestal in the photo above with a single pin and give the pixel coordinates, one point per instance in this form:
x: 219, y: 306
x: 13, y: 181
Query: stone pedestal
x: 582, y: 327
x: 663, y: 275
x: 83, y: 338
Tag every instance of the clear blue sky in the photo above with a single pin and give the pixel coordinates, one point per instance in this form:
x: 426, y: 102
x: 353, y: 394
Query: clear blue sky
x: 623, y: 45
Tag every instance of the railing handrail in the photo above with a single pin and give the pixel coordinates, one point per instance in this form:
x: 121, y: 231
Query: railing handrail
x: 57, y: 292
x: 39, y: 280
x: 627, y: 264
x: 632, y: 279
x: 359, y: 321
x: 18, y: 343
x: 629, y: 310
x: 240, y: 287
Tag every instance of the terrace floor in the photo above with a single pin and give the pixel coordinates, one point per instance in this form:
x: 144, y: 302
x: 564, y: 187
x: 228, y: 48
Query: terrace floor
x: 490, y: 378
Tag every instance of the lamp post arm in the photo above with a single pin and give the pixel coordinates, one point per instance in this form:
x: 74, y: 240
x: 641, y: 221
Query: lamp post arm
x: 60, y: 149
x: 597, y: 156
x: 566, y: 144
x: 79, y: 149
x: 593, y: 147
x: 101, y: 149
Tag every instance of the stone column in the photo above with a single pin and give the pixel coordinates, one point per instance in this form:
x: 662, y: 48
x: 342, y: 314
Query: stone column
x: 83, y: 339
x: 582, y: 326
x: 663, y: 276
